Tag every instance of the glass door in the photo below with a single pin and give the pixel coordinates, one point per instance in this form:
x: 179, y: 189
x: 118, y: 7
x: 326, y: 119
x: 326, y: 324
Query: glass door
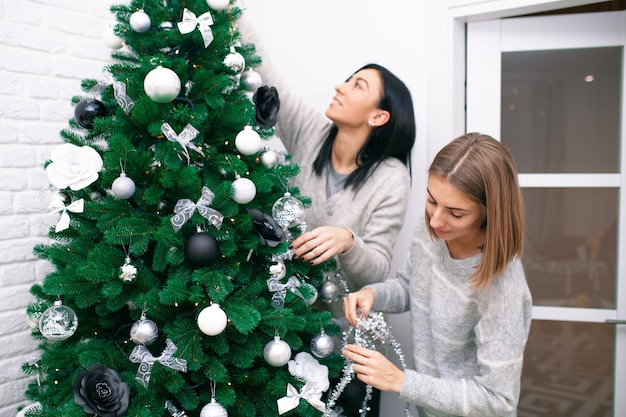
x: 551, y: 89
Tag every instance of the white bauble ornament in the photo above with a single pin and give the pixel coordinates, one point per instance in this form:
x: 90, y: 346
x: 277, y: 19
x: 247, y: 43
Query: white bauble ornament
x: 162, y: 85
x: 322, y: 345
x: 110, y: 39
x: 277, y: 352
x: 218, y: 4
x: 212, y: 320
x: 248, y: 141
x: 269, y: 159
x: 213, y: 409
x: 244, y: 190
x: 144, y: 331
x: 251, y: 80
x: 140, y: 21
x: 58, y: 322
x: 235, y: 61
x: 123, y: 187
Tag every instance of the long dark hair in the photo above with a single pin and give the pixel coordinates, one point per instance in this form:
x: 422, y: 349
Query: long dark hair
x: 393, y: 139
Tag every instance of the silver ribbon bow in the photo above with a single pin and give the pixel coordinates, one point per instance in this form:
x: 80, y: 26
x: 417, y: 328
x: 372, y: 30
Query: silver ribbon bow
x: 292, y: 399
x: 119, y: 91
x: 185, y: 208
x: 280, y: 290
x: 144, y: 358
x: 203, y: 22
x: 57, y: 206
x: 184, y: 139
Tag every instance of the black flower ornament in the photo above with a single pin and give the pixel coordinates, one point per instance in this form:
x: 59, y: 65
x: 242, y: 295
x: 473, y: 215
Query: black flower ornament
x: 269, y: 231
x: 101, y: 391
x: 267, y: 105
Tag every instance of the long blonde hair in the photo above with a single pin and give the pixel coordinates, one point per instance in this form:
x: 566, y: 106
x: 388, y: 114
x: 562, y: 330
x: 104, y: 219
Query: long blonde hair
x: 483, y: 169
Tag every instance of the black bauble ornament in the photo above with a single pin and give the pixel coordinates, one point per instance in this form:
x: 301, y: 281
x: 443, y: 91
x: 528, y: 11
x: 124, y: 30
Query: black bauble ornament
x: 202, y: 249
x: 87, y: 110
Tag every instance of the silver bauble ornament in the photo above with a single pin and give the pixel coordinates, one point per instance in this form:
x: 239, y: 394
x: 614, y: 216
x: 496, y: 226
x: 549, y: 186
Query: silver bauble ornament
x: 248, y: 141
x: 329, y: 291
x: 269, y: 159
x: 251, y: 80
x: 212, y: 320
x: 144, y: 331
x: 235, y: 61
x: 58, y: 322
x: 162, y: 85
x: 213, y: 409
x: 288, y: 211
x: 140, y: 21
x: 277, y: 352
x: 243, y: 190
x: 110, y: 39
x: 322, y: 345
x: 123, y: 187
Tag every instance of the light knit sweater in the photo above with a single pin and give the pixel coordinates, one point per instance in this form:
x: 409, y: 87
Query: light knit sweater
x: 375, y: 213
x: 468, y: 345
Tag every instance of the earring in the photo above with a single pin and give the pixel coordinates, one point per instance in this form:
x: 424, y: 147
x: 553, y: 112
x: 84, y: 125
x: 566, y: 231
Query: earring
x: 370, y: 124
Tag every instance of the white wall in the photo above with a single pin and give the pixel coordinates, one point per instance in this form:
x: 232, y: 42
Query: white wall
x: 46, y: 48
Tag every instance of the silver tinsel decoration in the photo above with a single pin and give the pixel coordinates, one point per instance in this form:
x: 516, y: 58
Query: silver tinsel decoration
x: 368, y: 330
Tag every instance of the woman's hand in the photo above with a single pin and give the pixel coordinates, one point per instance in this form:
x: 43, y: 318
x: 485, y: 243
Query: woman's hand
x: 322, y: 243
x: 357, y: 304
x: 374, y: 369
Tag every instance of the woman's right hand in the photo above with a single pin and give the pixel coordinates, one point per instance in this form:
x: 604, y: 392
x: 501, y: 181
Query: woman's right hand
x: 358, y: 304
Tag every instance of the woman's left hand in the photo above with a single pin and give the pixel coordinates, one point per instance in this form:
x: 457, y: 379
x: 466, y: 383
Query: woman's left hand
x: 374, y: 369
x: 322, y: 243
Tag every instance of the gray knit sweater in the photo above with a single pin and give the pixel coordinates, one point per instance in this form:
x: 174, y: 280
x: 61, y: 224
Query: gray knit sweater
x: 375, y: 213
x: 467, y: 345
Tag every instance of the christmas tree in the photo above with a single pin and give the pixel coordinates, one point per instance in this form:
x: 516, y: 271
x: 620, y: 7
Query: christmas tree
x: 174, y: 290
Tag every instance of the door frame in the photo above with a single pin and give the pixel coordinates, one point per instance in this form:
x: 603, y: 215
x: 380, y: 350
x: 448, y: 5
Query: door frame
x: 483, y: 103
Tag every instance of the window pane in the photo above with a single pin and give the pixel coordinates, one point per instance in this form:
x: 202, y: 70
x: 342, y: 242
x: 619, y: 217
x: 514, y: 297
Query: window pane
x: 560, y: 109
x: 571, y: 247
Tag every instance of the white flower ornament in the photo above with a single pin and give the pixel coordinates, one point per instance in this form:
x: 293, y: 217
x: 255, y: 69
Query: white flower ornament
x: 73, y: 166
x: 315, y: 375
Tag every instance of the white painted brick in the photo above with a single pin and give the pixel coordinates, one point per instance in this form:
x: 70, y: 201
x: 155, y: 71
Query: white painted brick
x: 18, y: 274
x: 14, y: 227
x: 6, y: 199
x: 12, y: 84
x: 17, y: 156
x: 10, y: 132
x: 13, y: 180
x: 44, y: 133
x: 30, y: 202
x: 22, y: 12
x: 13, y: 107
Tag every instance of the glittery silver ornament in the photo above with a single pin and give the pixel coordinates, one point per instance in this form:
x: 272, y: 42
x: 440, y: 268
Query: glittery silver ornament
x: 128, y: 271
x: 251, y: 80
x: 144, y: 331
x: 140, y: 21
x: 123, y: 187
x: 277, y: 352
x: 288, y: 211
x: 58, y: 322
x: 322, y: 345
x: 213, y: 409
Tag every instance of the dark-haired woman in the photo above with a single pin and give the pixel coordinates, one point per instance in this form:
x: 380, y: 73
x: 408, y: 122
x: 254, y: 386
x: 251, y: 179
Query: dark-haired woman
x: 354, y: 165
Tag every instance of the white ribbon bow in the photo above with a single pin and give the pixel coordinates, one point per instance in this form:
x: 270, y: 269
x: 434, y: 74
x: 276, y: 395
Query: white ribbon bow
x: 190, y: 22
x: 185, y: 208
x: 57, y: 206
x: 292, y: 399
x: 119, y: 91
x: 184, y: 139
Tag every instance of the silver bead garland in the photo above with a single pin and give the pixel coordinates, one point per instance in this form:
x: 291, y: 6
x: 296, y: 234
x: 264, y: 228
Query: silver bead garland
x: 368, y: 330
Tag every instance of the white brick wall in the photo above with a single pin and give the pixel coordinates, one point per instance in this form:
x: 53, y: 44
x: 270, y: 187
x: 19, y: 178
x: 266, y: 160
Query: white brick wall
x: 46, y: 48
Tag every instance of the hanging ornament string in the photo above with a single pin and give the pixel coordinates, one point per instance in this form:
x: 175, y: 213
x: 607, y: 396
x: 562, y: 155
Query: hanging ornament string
x: 370, y: 328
